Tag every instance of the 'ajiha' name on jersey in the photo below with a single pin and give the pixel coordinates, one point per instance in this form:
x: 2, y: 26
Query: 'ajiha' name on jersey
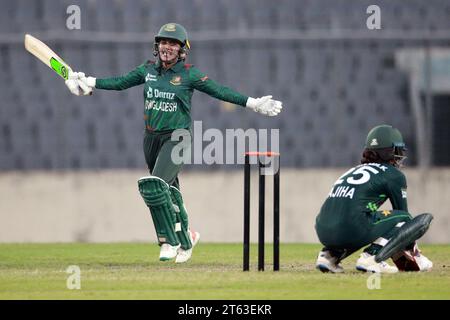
x: 342, y: 192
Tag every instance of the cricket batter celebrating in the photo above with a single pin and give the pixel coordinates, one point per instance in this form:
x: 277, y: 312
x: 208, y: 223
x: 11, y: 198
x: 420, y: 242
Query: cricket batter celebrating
x: 350, y: 218
x: 169, y: 83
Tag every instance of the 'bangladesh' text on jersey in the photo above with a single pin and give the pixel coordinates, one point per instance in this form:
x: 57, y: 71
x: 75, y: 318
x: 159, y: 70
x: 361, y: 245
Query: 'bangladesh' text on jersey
x: 168, y: 93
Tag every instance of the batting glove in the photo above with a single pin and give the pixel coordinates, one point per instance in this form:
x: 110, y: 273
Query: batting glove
x: 88, y: 81
x: 85, y: 87
x: 265, y: 105
x: 76, y: 86
x: 72, y: 83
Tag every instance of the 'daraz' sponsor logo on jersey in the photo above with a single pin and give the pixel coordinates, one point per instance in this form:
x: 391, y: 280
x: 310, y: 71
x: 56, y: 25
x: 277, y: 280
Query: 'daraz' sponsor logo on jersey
x: 155, y: 93
x: 160, y: 105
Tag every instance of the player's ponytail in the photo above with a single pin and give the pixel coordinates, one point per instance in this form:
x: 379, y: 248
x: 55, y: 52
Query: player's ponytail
x: 383, y: 155
x: 370, y: 156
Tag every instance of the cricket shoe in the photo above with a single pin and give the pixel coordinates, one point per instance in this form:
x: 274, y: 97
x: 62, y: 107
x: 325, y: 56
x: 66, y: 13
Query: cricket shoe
x: 185, y: 255
x: 367, y: 263
x: 412, y: 260
x: 168, y: 252
x: 328, y: 263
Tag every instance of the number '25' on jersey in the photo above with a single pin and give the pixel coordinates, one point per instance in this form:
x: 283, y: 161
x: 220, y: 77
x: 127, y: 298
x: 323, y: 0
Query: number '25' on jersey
x: 365, y: 188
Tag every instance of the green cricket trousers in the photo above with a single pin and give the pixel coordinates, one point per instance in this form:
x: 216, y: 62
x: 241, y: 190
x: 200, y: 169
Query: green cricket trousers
x: 350, y: 232
x: 158, y: 148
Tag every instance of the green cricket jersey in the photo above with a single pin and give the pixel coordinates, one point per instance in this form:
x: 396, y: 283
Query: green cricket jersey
x: 168, y: 93
x: 363, y: 189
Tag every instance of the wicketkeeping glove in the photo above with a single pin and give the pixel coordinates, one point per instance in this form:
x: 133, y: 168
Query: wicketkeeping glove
x: 265, y: 105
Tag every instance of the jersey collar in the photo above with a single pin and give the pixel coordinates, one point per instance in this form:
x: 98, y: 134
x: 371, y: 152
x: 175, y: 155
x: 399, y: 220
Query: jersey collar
x: 177, y: 67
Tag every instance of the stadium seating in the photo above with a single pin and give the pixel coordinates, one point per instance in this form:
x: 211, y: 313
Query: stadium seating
x: 333, y: 90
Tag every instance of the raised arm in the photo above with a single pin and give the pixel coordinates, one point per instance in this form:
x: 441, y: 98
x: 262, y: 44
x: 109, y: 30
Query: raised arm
x: 265, y: 105
x: 131, y: 79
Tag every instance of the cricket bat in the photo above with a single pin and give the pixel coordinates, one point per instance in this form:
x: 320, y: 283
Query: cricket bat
x: 41, y: 51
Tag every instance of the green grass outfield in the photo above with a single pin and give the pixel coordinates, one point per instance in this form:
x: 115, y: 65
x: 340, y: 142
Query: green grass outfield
x: 132, y: 271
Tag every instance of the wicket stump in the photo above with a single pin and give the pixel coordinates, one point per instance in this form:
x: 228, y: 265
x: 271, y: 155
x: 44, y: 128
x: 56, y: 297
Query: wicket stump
x: 261, y: 210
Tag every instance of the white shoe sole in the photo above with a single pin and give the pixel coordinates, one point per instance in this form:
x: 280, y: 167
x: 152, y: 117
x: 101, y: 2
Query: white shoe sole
x: 325, y: 269
x: 193, y: 245
x: 167, y: 258
x: 364, y: 269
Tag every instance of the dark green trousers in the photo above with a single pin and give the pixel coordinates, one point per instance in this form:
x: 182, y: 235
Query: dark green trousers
x: 158, y: 150
x: 351, y: 232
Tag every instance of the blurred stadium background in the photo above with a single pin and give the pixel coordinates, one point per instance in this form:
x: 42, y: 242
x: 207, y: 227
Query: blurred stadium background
x: 69, y: 165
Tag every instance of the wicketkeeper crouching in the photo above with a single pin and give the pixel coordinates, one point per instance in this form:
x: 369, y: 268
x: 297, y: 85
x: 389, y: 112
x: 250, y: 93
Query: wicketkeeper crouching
x: 351, y: 218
